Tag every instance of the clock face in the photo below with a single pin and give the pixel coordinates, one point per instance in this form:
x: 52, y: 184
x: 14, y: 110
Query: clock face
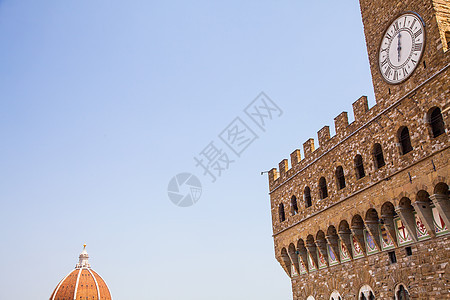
x: 401, y: 48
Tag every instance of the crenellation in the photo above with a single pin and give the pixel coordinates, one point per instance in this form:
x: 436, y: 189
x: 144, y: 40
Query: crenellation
x: 296, y: 157
x: 308, y: 147
x: 341, y: 124
x: 360, y: 109
x: 283, y: 167
x: 323, y: 136
x: 273, y: 176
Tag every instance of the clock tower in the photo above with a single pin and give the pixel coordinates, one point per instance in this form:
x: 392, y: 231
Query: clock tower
x: 366, y: 215
x: 407, y: 41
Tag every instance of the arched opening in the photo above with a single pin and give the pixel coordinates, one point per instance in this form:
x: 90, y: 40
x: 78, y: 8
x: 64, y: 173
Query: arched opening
x: 406, y: 212
x: 359, y: 167
x: 343, y: 226
x: 359, y: 243
x: 333, y: 240
x: 404, y: 140
x: 312, y: 249
x: 335, y: 296
x: 294, y: 206
x: 340, y: 178
x: 436, y: 122
x: 372, y: 215
x: 303, y: 255
x: 281, y: 212
x: 321, y: 243
x: 323, y: 188
x: 401, y: 293
x: 345, y: 233
x: 388, y: 235
x: 294, y: 257
x: 372, y: 223
x: 357, y: 222
x: 424, y: 217
x: 286, y: 261
x: 441, y: 188
x: 366, y: 293
x: 441, y: 210
x: 310, y: 298
x: 378, y: 156
x: 307, y: 196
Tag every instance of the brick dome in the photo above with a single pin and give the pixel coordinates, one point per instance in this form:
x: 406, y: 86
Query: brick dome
x: 83, y: 283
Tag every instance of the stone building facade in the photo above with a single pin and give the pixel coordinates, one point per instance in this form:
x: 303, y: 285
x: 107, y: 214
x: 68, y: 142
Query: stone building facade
x: 366, y: 215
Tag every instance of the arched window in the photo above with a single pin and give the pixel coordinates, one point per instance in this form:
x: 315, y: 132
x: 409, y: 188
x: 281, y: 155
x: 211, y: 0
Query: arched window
x: 281, y: 212
x: 359, y: 167
x: 436, y: 122
x: 405, y: 141
x: 366, y: 293
x: 323, y: 188
x: 310, y: 298
x: 335, y: 296
x: 401, y: 293
x: 294, y: 206
x: 340, y: 178
x: 378, y: 156
x: 307, y: 196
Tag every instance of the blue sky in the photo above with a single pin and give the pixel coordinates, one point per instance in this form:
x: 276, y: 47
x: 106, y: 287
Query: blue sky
x: 103, y: 102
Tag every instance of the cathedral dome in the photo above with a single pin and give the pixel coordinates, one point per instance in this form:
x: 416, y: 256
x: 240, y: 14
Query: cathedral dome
x: 83, y: 283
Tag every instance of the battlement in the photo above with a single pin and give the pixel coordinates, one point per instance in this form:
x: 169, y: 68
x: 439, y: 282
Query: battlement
x: 343, y: 129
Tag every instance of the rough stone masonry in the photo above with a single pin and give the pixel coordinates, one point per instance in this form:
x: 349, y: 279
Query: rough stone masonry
x: 366, y: 214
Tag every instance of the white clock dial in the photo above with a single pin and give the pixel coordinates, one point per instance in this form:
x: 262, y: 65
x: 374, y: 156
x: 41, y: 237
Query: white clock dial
x: 401, y: 48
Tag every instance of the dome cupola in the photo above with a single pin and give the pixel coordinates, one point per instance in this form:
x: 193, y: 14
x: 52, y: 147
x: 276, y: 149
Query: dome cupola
x: 82, y: 283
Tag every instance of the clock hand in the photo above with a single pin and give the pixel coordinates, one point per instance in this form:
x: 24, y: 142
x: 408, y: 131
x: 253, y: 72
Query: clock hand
x: 399, y: 47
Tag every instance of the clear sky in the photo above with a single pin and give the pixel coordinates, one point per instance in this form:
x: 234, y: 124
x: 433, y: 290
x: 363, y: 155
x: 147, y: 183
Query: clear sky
x: 103, y: 102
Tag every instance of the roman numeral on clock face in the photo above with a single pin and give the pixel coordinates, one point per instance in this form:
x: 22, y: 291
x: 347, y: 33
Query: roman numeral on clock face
x: 389, y: 36
x: 418, y: 32
x: 388, y: 72
x: 405, y: 72
x: 396, y: 27
x: 395, y: 76
x: 418, y: 47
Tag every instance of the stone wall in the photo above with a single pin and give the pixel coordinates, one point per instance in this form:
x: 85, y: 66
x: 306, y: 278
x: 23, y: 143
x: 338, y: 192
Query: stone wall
x: 425, y: 273
x: 408, y: 192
